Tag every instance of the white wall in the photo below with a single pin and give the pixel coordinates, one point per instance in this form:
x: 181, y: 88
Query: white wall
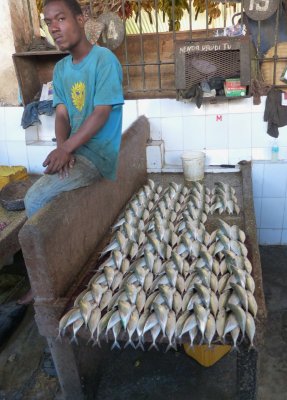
x: 227, y: 132
x: 8, y: 81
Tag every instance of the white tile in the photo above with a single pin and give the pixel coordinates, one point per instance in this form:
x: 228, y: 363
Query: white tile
x: 218, y: 108
x: 2, y: 124
x: 14, y: 130
x: 257, y: 209
x: 239, y: 131
x: 257, y: 178
x: 32, y: 134
x: 216, y: 157
x: 172, y: 133
x: 216, y: 131
x: 170, y: 108
x: 154, y: 153
x: 4, y: 160
x: 282, y: 153
x: 236, y: 155
x: 285, y: 215
x: 284, y: 237
x: 173, y: 158
x: 193, y: 133
x: 260, y: 137
x: 190, y: 108
x: 270, y: 236
x: 17, y: 153
x: 130, y: 113
x: 155, y: 128
x: 149, y: 107
x: 46, y: 129
x: 272, y: 212
x: 260, y: 108
x: 282, y: 139
x: 261, y: 153
x: 36, y: 157
x: 240, y: 105
x: 275, y: 180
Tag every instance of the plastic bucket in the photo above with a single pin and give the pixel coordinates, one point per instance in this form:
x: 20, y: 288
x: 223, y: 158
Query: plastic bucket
x: 193, y: 165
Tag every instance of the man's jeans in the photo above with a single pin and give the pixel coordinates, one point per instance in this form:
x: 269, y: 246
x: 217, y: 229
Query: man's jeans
x: 84, y: 173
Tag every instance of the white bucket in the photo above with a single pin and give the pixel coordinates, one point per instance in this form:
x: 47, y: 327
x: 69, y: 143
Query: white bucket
x: 193, y: 165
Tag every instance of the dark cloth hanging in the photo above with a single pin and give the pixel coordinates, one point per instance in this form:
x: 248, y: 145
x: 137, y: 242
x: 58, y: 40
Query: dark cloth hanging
x: 275, y: 114
x: 33, y: 110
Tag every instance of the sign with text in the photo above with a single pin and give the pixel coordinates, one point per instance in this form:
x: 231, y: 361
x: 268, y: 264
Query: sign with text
x: 259, y: 10
x: 208, y: 46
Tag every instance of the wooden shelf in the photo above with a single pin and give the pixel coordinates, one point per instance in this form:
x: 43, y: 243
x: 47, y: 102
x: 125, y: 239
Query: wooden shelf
x: 33, y: 69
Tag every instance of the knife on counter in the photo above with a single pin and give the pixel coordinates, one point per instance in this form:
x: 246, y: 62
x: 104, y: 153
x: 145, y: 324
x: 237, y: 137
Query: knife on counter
x: 222, y: 165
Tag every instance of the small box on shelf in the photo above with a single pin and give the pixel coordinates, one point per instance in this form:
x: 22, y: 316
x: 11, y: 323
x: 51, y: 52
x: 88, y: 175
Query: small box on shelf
x: 233, y: 88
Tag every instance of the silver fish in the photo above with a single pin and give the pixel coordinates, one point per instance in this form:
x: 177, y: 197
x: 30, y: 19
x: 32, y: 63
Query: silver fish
x: 250, y: 328
x: 117, y: 280
x: 252, y: 304
x: 140, y: 301
x: 155, y: 331
x: 125, y: 310
x: 86, y: 309
x: 189, y: 324
x: 115, y: 318
x: 94, y: 321
x: 148, y: 281
x: 177, y: 302
x: 210, y: 329
x: 131, y: 327
x: 201, y: 315
x: 241, y: 293
x: 106, y: 299
x: 234, y: 334
x: 150, y: 323
x: 180, y: 322
x: 240, y: 316
x: 162, y: 315
x: 116, y: 330
x: 170, y: 329
x: 230, y: 324
x: 76, y: 327
x: 220, y: 322
x: 69, y: 318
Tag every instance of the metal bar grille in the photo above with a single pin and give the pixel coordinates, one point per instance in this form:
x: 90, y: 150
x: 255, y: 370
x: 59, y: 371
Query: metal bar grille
x: 149, y: 57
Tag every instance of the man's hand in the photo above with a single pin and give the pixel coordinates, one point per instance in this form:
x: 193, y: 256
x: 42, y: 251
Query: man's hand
x: 57, y: 160
x: 64, y: 172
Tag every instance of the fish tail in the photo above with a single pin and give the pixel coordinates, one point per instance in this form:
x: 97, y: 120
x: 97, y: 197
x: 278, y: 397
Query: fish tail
x: 140, y: 344
x: 75, y: 340
x: 251, y: 347
x: 126, y: 345
x: 116, y: 344
x: 153, y: 345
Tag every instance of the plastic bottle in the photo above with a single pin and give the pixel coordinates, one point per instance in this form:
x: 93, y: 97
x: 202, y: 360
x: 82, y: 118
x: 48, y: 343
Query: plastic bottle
x: 275, y: 150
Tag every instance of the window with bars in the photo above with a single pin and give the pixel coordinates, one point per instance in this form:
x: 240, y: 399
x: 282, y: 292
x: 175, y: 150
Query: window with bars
x: 155, y: 29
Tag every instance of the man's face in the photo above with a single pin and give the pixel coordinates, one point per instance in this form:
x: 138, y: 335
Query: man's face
x: 66, y: 29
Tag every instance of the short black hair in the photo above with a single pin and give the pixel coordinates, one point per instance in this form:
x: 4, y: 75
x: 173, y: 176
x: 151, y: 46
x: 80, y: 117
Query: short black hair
x: 73, y: 5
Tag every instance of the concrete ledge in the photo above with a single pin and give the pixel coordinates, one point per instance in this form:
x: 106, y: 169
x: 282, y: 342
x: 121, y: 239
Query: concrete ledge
x: 58, y: 240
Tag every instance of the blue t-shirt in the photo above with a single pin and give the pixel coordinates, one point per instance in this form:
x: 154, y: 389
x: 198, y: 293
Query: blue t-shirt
x: 96, y: 80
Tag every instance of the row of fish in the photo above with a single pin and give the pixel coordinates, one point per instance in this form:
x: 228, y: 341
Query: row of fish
x: 165, y: 276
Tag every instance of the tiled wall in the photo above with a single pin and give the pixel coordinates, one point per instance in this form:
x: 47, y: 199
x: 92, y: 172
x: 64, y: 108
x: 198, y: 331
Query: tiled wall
x: 270, y: 201
x: 227, y: 132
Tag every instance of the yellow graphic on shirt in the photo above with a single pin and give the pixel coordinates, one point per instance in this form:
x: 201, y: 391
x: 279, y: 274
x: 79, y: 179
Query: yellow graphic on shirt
x: 78, y: 93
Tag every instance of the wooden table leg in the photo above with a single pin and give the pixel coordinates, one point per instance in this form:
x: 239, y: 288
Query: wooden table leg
x: 246, y: 374
x: 66, y: 367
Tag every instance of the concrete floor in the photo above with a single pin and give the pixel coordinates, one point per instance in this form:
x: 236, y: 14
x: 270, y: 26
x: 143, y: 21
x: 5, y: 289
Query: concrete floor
x: 26, y: 372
